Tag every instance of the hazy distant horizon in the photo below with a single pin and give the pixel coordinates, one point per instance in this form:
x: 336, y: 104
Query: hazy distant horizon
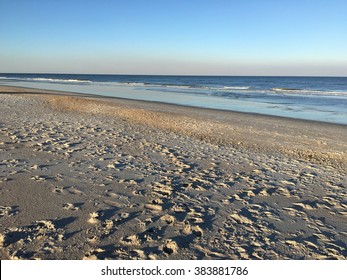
x: 188, y: 75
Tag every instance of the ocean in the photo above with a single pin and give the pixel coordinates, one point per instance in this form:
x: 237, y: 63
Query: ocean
x: 310, y: 98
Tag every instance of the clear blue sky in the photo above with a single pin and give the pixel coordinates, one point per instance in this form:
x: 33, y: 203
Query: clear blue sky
x: 218, y: 37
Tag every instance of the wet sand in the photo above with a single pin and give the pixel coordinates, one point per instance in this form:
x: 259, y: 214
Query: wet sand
x: 88, y: 177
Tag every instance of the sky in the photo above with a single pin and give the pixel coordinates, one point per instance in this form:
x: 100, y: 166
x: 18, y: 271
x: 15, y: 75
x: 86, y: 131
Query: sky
x: 179, y: 37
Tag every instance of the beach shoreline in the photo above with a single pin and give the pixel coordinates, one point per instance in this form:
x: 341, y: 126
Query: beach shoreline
x: 244, y: 125
x: 141, y: 103
x: 112, y: 178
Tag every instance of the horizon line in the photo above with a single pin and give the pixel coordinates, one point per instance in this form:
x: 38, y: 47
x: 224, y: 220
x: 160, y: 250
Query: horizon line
x: 180, y: 75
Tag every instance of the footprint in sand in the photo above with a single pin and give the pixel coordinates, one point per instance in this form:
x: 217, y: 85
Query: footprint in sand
x: 25, y: 236
x: 168, y: 219
x: 7, y: 179
x: 124, y: 215
x: 107, y: 224
x: 93, y: 254
x: 241, y: 219
x: 154, y: 207
x: 294, y: 212
x: 73, y: 190
x: 195, y: 216
x: 197, y: 231
x: 161, y: 191
x: 131, y: 240
x: 71, y: 206
x: 8, y: 211
x: 58, y: 190
x: 137, y: 254
x: 93, y: 239
x: 38, y: 178
x: 170, y: 247
x: 94, y: 218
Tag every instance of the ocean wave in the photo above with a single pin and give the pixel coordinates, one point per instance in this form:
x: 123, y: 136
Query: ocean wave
x: 308, y: 92
x: 184, y: 86
x: 286, y: 89
x: 50, y: 80
x: 208, y: 86
x: 235, y: 88
x: 154, y: 85
x: 130, y: 84
x: 223, y: 88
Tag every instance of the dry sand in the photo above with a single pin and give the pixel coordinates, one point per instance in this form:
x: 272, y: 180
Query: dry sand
x: 87, y: 177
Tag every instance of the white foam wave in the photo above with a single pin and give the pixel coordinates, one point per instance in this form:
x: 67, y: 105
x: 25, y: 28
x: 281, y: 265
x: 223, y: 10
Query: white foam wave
x: 286, y: 89
x: 49, y: 80
x: 308, y: 91
x: 58, y: 80
x: 235, y: 88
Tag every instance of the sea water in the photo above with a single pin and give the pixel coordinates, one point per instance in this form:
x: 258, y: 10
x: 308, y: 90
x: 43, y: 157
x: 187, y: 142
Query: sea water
x: 311, y: 98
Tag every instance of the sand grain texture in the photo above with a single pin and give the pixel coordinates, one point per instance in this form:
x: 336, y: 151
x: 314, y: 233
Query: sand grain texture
x: 86, y: 177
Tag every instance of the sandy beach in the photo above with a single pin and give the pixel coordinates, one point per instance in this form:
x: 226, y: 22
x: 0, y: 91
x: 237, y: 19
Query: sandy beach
x: 88, y: 177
